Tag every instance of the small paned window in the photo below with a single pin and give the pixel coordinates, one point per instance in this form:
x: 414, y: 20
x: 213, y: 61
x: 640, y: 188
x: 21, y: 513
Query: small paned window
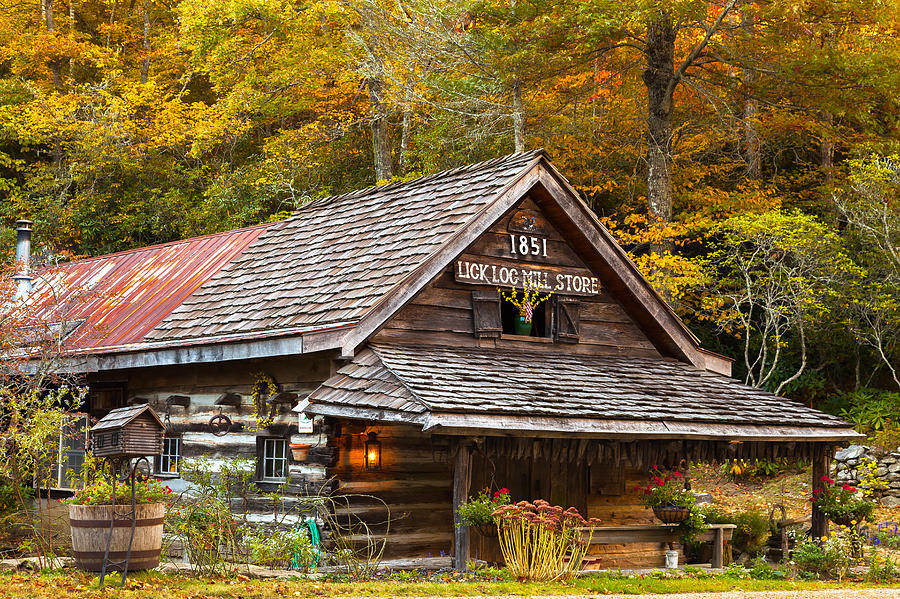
x: 169, y: 462
x: 274, y: 459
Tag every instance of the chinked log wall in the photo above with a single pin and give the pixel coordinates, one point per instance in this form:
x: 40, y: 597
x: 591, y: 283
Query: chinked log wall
x: 442, y: 313
x: 414, y: 481
x: 204, y: 384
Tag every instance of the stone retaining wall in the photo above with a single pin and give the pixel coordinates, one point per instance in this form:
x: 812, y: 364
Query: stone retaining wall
x: 847, y: 469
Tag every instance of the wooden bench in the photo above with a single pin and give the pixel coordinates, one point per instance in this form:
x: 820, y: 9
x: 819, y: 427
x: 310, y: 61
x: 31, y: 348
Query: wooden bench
x: 718, y: 534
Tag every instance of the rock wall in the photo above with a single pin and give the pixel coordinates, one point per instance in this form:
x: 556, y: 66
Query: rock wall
x: 849, y: 466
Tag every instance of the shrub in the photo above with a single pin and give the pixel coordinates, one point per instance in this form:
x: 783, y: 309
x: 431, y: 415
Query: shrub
x: 752, y: 530
x: 208, y: 532
x: 278, y: 548
x: 10, y: 496
x: 829, y: 558
x: 741, y: 469
x: 882, y: 568
x: 760, y: 569
x: 887, y: 535
x: 751, y: 533
x: 542, y: 542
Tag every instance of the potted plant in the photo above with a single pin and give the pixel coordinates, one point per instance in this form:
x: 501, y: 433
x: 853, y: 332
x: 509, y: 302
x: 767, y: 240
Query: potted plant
x: 91, y: 515
x: 300, y: 451
x: 666, y: 496
x: 478, y: 514
x: 842, y: 504
x: 530, y: 299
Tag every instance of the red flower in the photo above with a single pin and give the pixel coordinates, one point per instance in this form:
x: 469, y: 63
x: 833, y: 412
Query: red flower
x: 676, y: 474
x: 847, y: 487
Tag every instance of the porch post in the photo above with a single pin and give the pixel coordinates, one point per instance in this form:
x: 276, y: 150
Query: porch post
x: 462, y: 475
x: 820, y: 462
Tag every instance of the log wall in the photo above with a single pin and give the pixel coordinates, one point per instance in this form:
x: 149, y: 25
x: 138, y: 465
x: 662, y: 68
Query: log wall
x: 203, y: 384
x: 414, y: 480
x: 442, y: 313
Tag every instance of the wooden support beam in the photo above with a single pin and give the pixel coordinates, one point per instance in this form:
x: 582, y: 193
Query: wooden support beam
x: 821, y: 460
x: 462, y: 476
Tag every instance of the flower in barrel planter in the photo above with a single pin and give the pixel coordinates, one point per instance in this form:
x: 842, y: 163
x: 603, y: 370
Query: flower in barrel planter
x: 90, y: 518
x: 842, y: 504
x: 526, y: 304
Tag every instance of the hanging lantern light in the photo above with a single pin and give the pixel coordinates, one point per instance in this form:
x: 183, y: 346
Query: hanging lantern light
x: 373, y: 452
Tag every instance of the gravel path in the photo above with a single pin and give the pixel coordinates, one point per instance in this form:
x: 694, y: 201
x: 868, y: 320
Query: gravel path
x: 813, y: 594
x: 885, y: 593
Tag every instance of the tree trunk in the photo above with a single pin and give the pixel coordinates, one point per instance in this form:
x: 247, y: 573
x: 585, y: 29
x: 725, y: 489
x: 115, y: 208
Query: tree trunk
x: 826, y: 151
x: 518, y: 117
x: 381, y: 143
x: 145, y: 67
x: 72, y: 31
x: 660, y: 81
x: 752, y: 148
x: 54, y: 64
x: 820, y: 463
x: 405, y: 132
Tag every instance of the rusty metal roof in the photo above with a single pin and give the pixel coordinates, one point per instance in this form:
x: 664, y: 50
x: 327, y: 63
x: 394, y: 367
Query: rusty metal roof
x: 117, y: 299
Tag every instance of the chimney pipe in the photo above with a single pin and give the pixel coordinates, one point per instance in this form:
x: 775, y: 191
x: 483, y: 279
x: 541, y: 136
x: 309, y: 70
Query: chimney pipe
x: 23, y: 258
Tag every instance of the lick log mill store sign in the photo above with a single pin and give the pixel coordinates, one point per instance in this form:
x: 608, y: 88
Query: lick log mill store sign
x: 527, y: 240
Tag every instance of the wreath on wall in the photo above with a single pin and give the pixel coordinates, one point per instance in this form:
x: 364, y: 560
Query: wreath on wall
x: 264, y: 387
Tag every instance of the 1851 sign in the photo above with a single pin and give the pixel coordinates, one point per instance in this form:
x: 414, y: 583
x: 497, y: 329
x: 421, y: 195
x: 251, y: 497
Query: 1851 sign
x: 527, y: 239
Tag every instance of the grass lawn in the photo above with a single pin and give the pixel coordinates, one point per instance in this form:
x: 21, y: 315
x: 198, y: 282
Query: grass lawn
x: 151, y: 585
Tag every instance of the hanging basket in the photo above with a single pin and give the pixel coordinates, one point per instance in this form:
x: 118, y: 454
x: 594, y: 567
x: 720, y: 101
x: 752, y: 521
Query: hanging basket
x: 671, y: 514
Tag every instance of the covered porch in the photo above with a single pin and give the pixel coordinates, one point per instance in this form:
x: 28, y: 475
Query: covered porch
x: 575, y: 430
x: 598, y: 477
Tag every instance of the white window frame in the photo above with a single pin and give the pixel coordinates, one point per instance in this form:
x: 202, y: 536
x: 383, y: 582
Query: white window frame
x: 64, y: 447
x: 165, y: 459
x: 270, y: 457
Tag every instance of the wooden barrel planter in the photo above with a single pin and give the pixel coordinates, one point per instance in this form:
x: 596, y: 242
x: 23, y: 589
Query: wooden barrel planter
x: 90, y: 530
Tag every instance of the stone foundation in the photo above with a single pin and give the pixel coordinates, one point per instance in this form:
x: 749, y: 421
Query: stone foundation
x: 846, y: 469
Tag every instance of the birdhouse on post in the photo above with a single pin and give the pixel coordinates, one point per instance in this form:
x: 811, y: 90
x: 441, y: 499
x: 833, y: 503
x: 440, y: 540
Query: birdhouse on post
x: 130, y: 432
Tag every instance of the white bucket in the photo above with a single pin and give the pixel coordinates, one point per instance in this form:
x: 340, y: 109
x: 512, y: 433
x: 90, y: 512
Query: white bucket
x: 671, y: 559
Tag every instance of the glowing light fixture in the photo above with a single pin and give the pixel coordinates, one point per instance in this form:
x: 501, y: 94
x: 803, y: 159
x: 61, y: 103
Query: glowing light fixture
x: 373, y: 452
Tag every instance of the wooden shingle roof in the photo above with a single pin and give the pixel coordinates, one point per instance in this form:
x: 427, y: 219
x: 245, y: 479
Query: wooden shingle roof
x: 474, y: 382
x: 120, y: 417
x: 335, y: 258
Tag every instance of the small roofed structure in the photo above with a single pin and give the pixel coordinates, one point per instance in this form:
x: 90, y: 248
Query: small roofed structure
x: 134, y: 431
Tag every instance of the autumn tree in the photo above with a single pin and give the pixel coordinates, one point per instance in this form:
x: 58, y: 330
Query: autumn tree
x: 778, y: 273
